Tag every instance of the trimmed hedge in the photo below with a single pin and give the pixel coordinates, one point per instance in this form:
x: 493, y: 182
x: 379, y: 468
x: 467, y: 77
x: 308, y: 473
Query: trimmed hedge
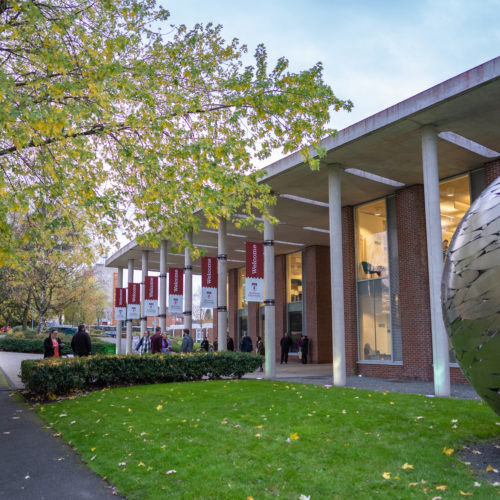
x: 60, y: 376
x: 36, y: 346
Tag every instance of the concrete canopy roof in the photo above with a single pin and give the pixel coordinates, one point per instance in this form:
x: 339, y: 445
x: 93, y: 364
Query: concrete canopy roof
x: 465, y: 111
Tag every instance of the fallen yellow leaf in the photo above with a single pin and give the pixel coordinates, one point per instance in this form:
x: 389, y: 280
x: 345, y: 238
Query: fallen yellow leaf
x: 92, y: 449
x: 294, y: 436
x: 386, y: 475
x: 463, y: 493
x: 141, y: 464
x: 159, y: 407
x: 412, y: 484
x: 442, y: 487
x: 448, y: 451
x: 490, y: 469
x: 406, y: 465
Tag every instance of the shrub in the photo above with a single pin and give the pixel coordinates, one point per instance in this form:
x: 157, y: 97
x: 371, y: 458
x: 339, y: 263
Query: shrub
x: 36, y: 345
x: 60, y: 376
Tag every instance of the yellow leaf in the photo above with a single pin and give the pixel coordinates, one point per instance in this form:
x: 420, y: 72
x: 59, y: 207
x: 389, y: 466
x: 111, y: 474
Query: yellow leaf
x: 141, y: 464
x: 490, y: 469
x: 92, y: 449
x: 448, y: 451
x: 130, y: 409
x: 159, y: 407
x: 406, y: 465
x: 294, y: 436
x: 386, y: 475
x: 442, y: 487
x: 463, y: 493
x: 412, y: 484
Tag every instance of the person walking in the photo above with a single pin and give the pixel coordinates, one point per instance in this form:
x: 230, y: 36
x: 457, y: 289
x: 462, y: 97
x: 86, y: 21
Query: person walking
x: 204, y: 346
x: 80, y: 343
x: 187, y: 342
x: 52, y: 345
x: 230, y: 344
x: 144, y: 345
x: 246, y: 343
x: 304, y: 349
x: 285, y: 343
x: 156, y: 341
x: 260, y: 349
x: 166, y: 345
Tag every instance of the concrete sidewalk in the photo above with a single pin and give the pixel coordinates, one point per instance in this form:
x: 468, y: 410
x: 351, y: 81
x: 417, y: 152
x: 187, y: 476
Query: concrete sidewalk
x: 34, y: 463
x: 323, y: 375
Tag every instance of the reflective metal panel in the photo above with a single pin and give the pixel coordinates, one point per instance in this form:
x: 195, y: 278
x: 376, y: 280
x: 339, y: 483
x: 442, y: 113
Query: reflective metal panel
x: 471, y: 295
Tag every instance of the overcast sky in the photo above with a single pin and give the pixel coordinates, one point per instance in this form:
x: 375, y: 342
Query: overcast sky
x: 376, y: 53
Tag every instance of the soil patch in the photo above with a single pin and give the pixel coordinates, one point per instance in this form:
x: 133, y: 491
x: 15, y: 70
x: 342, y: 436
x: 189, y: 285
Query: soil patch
x: 483, y: 458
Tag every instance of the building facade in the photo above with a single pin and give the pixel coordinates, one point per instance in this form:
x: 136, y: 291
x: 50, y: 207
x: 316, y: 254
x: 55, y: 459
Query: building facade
x: 360, y: 244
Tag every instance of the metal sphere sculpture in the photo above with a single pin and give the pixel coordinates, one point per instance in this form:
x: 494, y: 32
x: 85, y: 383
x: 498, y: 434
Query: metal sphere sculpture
x: 471, y: 295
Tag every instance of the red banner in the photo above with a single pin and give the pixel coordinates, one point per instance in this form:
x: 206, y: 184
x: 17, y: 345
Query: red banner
x: 151, y: 288
x: 134, y: 293
x: 120, y: 297
x: 255, y: 260
x: 209, y: 272
x: 254, y: 279
x: 209, y: 282
x: 175, y: 285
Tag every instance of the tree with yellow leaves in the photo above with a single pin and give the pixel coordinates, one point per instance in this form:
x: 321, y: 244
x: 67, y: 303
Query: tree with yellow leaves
x: 121, y: 125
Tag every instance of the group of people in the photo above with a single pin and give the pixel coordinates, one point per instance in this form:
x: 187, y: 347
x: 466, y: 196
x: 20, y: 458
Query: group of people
x: 302, y: 345
x: 80, y: 343
x: 160, y: 342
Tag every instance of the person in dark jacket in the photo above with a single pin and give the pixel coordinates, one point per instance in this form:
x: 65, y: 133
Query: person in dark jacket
x: 156, y: 341
x: 205, y: 345
x: 285, y: 343
x: 80, y: 343
x: 187, y: 342
x: 304, y: 349
x: 52, y: 345
x: 246, y: 343
x: 230, y: 344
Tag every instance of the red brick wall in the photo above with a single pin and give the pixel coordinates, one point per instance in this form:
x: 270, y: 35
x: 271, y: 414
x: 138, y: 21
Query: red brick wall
x: 279, y: 301
x: 350, y: 306
x: 318, y: 303
x: 491, y: 171
x: 233, y: 304
x: 253, y: 321
x: 414, y: 301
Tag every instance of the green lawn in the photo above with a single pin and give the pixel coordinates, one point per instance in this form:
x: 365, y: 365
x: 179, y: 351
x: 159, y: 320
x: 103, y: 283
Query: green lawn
x: 261, y: 439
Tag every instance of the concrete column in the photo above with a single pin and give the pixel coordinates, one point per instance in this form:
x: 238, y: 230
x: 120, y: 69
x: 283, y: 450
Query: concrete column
x: 163, y: 285
x: 435, y: 260
x: 118, y: 349
x: 145, y: 268
x: 269, y: 299
x: 337, y: 277
x: 128, y: 348
x: 221, y: 286
x: 188, y: 285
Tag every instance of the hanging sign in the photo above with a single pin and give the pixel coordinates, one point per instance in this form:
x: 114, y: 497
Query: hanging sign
x: 254, y: 282
x: 134, y: 301
x: 120, y: 304
x: 209, y: 282
x: 151, y: 296
x: 175, y: 289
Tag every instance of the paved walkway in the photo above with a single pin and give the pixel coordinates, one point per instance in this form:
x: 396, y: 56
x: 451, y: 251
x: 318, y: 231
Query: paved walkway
x: 35, y: 465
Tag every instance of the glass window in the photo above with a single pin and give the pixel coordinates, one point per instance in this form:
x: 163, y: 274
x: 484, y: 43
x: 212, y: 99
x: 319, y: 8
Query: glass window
x: 294, y: 307
x: 294, y: 277
x: 371, y: 241
x: 454, y: 197
x: 374, y: 297
x: 242, y: 303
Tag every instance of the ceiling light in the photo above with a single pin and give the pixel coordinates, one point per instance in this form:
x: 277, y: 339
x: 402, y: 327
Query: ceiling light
x: 304, y: 200
x: 374, y: 177
x: 317, y: 229
x: 465, y: 143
